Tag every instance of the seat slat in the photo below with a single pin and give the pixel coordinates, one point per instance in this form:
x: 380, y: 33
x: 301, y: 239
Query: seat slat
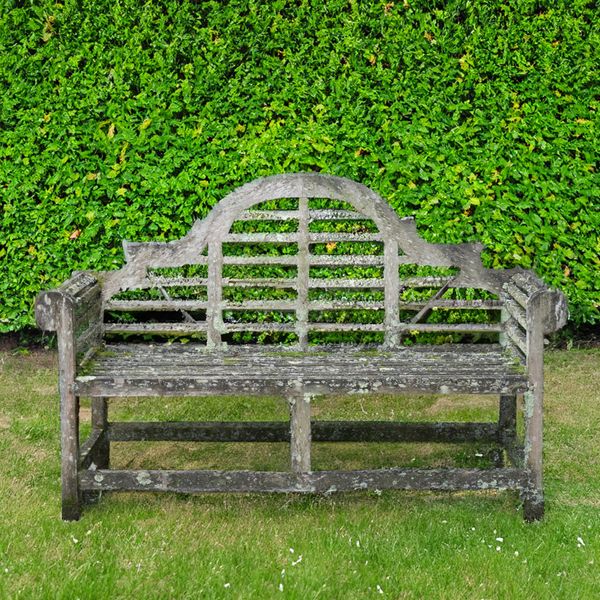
x: 294, y: 360
x: 127, y: 368
x: 129, y: 357
x: 463, y: 376
x: 276, y: 385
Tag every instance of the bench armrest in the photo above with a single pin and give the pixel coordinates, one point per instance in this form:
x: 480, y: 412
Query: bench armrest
x: 78, y: 289
x: 73, y: 310
x: 541, y: 303
x: 532, y: 310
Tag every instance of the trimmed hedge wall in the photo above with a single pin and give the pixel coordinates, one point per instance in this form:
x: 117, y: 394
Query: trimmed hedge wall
x: 122, y: 119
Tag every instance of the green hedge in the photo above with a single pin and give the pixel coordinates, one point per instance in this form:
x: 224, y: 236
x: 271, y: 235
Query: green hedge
x: 122, y: 119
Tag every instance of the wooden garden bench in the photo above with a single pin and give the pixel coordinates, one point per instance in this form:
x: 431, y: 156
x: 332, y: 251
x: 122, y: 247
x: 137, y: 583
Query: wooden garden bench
x: 294, y: 286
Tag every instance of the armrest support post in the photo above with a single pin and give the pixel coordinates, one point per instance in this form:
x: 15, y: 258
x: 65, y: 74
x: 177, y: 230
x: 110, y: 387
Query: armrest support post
x: 546, y: 312
x: 66, y: 310
x: 532, y: 310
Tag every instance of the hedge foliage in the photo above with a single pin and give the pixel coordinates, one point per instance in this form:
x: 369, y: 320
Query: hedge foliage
x: 127, y: 119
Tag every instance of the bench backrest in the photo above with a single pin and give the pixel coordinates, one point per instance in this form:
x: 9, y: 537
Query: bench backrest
x: 298, y: 257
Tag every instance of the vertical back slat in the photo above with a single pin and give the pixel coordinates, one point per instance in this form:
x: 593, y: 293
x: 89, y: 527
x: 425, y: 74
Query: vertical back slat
x: 214, y: 317
x: 392, y: 292
x: 303, y: 274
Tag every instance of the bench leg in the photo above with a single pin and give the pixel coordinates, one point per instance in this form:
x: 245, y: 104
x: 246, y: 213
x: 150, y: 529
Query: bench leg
x: 100, y: 421
x: 507, y: 419
x: 300, y: 434
x: 69, y: 434
x: 507, y: 425
x: 102, y: 453
x: 533, y: 505
x: 533, y: 497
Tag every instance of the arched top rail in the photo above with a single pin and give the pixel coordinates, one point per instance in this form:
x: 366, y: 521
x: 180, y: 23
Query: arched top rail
x: 300, y: 185
x: 402, y: 232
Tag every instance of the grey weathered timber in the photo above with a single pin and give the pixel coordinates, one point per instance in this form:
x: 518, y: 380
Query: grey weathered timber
x: 191, y: 305
x: 300, y: 431
x: 323, y: 290
x: 302, y: 278
x: 91, y: 454
x: 321, y: 482
x: 321, y: 431
x: 507, y: 418
x: 545, y: 312
x: 136, y: 369
x: 100, y: 424
x: 59, y: 310
x: 95, y: 451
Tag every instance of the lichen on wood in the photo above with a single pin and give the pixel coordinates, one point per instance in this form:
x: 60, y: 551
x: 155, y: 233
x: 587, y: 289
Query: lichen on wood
x: 95, y: 362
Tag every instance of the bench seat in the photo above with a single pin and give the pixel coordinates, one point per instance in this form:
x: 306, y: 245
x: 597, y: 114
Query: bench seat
x: 191, y: 369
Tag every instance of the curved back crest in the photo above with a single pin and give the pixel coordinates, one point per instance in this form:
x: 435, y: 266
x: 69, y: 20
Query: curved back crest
x: 293, y: 258
x: 299, y: 185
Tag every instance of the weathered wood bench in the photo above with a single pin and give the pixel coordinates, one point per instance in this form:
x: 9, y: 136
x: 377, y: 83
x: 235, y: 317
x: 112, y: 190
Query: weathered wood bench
x: 295, y: 286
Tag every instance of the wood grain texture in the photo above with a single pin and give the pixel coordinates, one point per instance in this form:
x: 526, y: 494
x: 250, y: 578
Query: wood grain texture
x: 300, y: 432
x: 366, y: 247
x: 321, y: 431
x: 69, y: 412
x: 192, y: 369
x: 366, y: 204
x: 320, y: 482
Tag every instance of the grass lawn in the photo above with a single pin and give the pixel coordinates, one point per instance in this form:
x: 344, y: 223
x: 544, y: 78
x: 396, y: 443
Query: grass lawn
x: 355, y: 545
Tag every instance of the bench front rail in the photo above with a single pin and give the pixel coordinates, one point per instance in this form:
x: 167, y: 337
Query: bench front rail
x: 296, y: 286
